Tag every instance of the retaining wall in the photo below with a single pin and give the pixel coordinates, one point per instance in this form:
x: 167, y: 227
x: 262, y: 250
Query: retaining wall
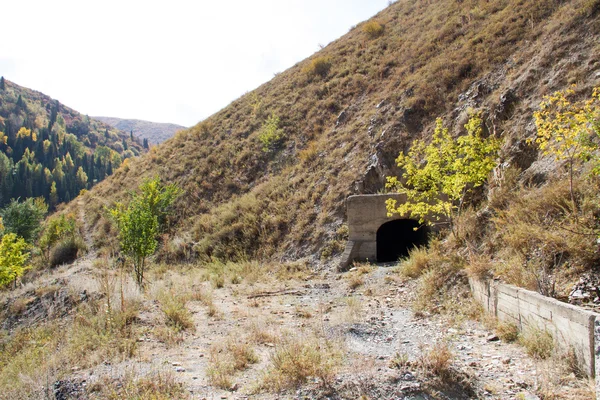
x: 572, y: 327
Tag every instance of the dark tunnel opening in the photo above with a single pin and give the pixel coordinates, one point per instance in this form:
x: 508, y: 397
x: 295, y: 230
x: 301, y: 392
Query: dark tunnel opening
x: 396, y: 238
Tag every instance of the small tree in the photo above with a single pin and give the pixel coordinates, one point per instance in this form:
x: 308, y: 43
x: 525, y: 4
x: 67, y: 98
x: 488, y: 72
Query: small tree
x: 270, y: 134
x: 24, y: 218
x: 569, y: 131
x: 2, y: 83
x: 439, y: 176
x: 141, y: 220
x: 137, y: 234
x: 13, y: 256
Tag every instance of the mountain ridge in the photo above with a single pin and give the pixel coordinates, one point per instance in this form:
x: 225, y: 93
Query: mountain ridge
x: 155, y: 132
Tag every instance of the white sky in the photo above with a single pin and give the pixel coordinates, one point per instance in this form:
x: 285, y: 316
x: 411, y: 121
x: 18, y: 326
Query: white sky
x: 164, y: 61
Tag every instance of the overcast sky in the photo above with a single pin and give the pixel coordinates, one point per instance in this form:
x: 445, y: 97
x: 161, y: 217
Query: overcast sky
x: 165, y: 61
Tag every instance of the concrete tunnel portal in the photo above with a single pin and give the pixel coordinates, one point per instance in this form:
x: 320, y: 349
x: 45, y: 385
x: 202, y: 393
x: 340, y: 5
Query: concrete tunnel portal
x: 375, y: 236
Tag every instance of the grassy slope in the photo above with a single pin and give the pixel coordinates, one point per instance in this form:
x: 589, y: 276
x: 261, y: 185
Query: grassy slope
x: 433, y: 59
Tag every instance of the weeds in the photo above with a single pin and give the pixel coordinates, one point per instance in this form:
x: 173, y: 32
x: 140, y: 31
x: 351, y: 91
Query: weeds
x: 225, y: 360
x: 507, y: 331
x: 156, y: 386
x: 437, y: 361
x: 296, y: 359
x: 176, y: 312
x: 539, y: 343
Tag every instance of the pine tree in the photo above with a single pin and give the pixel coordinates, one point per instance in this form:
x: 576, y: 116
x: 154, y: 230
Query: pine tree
x: 2, y: 83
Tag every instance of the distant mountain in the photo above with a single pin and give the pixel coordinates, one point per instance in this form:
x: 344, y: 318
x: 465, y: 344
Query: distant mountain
x: 155, y: 132
x: 52, y: 151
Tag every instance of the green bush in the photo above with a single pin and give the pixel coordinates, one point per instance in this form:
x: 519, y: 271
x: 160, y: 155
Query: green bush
x: 24, y: 218
x: 56, y: 229
x: 13, y: 256
x: 64, y: 252
x: 271, y: 134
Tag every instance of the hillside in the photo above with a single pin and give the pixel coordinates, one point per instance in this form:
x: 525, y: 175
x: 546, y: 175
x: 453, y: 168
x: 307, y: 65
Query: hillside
x: 154, y: 132
x: 345, y: 114
x: 50, y: 150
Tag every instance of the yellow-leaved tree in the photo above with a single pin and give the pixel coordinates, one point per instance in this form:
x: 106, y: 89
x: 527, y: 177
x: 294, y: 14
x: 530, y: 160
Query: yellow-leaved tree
x: 13, y: 258
x: 569, y: 130
x: 440, y: 175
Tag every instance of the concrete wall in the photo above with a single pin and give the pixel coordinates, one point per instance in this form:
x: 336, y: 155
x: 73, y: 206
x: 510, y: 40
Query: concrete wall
x: 366, y: 213
x: 571, y: 326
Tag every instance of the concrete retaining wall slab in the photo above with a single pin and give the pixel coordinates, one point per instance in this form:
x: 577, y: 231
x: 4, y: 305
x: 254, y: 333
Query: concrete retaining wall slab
x: 572, y: 327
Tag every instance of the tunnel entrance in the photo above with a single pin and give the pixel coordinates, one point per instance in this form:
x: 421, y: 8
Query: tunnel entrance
x: 396, y: 238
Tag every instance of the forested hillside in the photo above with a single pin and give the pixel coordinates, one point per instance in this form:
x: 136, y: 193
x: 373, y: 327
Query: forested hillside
x: 51, y: 151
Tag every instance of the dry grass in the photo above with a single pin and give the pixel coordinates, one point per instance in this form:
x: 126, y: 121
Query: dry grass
x: 417, y: 263
x: 259, y: 333
x: 557, y: 379
x: 437, y: 360
x: 168, y: 335
x: 539, y: 221
x: 354, y: 308
x: 32, y: 355
x: 176, y: 312
x: 298, y: 358
x: 355, y: 281
x: 539, y: 343
x: 156, y: 386
x: 507, y: 331
x: 227, y: 359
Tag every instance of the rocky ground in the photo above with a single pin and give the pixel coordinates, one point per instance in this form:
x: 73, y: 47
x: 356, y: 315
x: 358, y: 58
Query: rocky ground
x: 382, y: 341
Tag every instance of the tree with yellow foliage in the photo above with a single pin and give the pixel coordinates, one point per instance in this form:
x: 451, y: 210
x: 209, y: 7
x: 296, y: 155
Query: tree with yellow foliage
x: 440, y: 175
x: 568, y: 130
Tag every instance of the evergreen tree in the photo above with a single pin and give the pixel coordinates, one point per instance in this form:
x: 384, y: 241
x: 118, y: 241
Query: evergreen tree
x: 2, y: 84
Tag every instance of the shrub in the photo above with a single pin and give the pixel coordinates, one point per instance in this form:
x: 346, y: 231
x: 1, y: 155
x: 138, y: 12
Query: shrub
x: 270, y: 134
x: 24, y: 218
x: 63, y: 252
x: 373, y: 29
x: 141, y: 220
x: 319, y: 66
x: 568, y: 131
x: 56, y: 229
x: 13, y: 256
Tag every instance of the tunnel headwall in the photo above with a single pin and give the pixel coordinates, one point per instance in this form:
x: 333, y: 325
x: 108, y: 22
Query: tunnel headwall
x: 366, y: 215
